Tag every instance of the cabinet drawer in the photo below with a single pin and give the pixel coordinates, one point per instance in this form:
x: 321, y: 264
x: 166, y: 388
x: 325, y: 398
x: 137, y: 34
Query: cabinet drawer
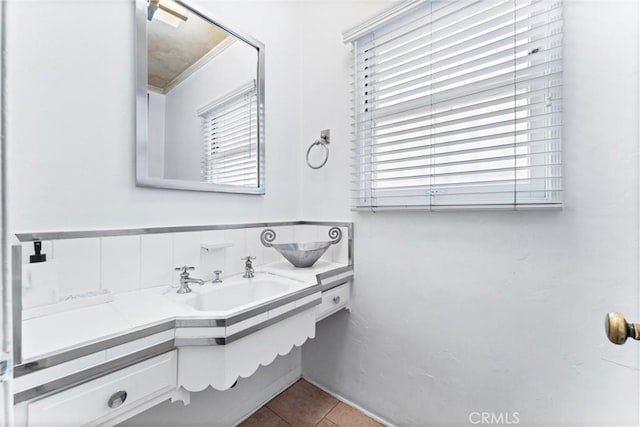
x: 105, y: 396
x: 333, y: 300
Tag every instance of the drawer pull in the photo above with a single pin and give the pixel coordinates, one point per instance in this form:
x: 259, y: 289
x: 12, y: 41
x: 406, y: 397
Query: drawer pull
x: 117, y: 399
x: 336, y: 299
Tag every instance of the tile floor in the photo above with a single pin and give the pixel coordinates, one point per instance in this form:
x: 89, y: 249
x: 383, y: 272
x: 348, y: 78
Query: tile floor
x: 304, y: 404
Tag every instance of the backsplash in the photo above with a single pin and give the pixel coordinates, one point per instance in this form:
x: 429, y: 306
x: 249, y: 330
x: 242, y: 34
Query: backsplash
x: 129, y: 263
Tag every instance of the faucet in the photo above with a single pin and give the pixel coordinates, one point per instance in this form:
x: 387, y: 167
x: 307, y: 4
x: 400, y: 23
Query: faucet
x: 248, y: 267
x: 185, y: 279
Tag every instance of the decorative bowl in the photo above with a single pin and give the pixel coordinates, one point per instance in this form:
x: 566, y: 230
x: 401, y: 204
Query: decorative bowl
x: 303, y: 254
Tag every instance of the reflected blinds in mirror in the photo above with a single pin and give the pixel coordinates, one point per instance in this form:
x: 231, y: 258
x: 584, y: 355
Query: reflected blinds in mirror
x: 458, y: 104
x: 230, y: 139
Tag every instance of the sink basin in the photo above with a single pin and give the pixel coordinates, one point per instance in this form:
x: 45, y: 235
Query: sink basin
x: 238, y: 293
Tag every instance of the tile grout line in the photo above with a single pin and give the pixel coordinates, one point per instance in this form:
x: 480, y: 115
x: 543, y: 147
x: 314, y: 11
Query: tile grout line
x: 329, y: 411
x: 139, y: 262
x: 276, y: 414
x: 266, y: 405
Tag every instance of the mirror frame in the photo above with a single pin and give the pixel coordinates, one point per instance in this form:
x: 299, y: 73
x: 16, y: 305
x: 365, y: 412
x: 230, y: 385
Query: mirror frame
x: 142, y: 173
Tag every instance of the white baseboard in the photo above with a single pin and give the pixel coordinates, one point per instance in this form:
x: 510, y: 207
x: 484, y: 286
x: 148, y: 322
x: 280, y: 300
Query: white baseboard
x: 287, y: 382
x: 350, y: 403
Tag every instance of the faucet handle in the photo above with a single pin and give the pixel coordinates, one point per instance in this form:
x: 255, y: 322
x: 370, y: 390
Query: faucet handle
x: 217, y: 279
x: 248, y: 267
x: 184, y: 269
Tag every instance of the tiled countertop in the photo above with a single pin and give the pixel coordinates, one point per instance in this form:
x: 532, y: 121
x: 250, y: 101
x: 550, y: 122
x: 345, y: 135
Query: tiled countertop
x: 61, y: 332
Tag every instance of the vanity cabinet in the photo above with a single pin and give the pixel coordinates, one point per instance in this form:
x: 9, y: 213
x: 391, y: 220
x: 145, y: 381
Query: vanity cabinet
x: 108, y: 397
x: 334, y: 300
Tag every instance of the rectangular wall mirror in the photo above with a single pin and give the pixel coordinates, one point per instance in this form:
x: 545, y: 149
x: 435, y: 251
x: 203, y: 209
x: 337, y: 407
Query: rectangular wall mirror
x: 199, y: 102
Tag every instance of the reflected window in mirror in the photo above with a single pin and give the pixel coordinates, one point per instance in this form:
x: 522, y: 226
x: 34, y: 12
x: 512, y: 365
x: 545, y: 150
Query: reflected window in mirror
x: 229, y: 133
x: 202, y: 123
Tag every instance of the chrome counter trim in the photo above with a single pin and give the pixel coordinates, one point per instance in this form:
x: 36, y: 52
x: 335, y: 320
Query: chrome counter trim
x: 199, y: 323
x: 200, y: 342
x: 16, y: 302
x: 57, y: 359
x: 79, y: 234
x: 94, y: 372
x: 322, y: 277
x: 254, y: 311
x: 350, y: 244
x: 334, y: 272
x: 269, y: 322
x: 336, y: 283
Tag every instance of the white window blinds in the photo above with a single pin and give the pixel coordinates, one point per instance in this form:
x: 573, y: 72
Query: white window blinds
x: 458, y: 104
x: 230, y: 139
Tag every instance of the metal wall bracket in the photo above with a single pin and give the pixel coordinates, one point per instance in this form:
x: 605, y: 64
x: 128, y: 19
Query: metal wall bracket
x: 325, y: 135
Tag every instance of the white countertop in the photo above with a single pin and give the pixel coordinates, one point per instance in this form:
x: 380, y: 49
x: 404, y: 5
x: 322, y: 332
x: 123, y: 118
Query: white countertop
x: 307, y: 275
x: 128, y: 312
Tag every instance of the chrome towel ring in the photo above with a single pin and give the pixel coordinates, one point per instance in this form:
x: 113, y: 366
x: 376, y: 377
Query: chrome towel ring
x: 324, y: 143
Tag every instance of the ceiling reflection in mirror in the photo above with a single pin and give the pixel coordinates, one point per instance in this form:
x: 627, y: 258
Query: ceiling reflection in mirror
x: 203, y: 104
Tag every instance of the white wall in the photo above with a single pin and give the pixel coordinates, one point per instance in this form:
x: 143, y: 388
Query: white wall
x: 490, y: 311
x: 71, y: 123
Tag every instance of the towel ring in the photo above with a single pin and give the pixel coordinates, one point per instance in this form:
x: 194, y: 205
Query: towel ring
x: 324, y: 143
x: 326, y: 157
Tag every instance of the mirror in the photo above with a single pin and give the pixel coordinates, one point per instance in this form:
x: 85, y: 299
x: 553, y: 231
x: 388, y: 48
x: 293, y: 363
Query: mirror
x: 199, y: 102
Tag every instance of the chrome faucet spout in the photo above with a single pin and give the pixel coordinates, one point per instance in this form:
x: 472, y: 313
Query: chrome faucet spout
x: 185, y: 280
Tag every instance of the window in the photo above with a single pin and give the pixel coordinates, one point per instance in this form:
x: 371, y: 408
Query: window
x: 230, y: 133
x: 458, y: 104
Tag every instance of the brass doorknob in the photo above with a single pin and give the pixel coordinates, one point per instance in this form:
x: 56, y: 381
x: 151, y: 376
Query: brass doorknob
x: 618, y: 329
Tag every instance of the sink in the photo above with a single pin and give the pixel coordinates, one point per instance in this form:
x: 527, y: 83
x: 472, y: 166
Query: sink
x: 238, y: 293
x: 260, y: 318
